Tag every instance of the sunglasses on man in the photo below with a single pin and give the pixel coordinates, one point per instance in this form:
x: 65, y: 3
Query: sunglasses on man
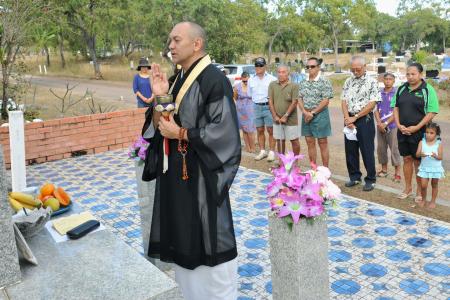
x: 310, y: 67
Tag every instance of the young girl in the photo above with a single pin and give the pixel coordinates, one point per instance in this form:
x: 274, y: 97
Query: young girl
x: 430, y: 150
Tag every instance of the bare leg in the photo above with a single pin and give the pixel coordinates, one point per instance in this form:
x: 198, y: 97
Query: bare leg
x: 418, y: 181
x: 261, y: 138
x: 245, y: 136
x: 271, y: 139
x: 324, y: 152
x: 312, y: 152
x: 424, y: 187
x: 279, y: 149
x: 397, y: 170
x: 434, y: 192
x: 295, y: 146
x: 251, y: 141
x: 408, y: 172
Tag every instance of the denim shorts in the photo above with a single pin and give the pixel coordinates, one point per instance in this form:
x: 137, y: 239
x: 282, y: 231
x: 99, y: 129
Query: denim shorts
x: 262, y: 115
x: 319, y: 126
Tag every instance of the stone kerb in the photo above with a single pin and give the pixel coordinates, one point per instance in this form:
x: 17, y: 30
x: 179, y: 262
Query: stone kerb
x: 62, y: 138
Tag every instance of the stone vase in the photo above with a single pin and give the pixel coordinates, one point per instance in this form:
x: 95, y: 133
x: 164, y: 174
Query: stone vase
x: 299, y: 260
x: 146, y: 194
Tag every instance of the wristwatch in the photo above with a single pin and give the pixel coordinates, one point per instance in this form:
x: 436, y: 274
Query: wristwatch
x: 313, y: 113
x: 386, y: 123
x: 356, y: 116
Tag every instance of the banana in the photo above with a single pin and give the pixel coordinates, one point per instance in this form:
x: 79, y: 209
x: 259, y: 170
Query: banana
x: 21, y: 203
x: 25, y: 198
x: 15, y: 204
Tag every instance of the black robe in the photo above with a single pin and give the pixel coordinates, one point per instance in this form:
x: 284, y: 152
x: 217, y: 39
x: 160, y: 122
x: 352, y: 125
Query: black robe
x: 192, y: 222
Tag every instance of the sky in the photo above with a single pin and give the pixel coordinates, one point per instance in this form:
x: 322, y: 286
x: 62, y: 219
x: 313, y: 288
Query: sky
x: 387, y: 6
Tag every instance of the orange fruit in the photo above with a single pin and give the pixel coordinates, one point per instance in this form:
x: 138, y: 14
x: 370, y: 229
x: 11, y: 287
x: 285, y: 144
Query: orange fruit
x: 62, y: 196
x: 47, y: 189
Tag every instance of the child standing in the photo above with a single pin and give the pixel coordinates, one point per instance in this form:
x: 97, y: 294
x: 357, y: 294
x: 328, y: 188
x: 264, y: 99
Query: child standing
x: 430, y: 150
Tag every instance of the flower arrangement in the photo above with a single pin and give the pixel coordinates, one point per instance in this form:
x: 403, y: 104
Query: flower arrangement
x: 294, y: 194
x: 138, y: 150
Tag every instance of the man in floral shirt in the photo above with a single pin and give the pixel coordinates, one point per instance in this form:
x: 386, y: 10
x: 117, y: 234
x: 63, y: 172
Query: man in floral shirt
x: 314, y: 97
x: 359, y: 96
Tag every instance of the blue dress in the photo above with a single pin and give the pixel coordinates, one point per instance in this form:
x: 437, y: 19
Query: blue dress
x: 430, y: 167
x: 244, y: 108
x: 142, y: 85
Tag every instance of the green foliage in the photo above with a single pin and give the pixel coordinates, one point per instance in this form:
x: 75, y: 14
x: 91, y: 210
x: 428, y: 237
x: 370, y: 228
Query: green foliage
x: 420, y: 56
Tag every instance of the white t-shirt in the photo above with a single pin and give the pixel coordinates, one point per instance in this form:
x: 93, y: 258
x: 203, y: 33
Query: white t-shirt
x: 259, y: 88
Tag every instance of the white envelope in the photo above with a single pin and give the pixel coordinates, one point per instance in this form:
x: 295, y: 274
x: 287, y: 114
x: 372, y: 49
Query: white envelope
x: 350, y: 134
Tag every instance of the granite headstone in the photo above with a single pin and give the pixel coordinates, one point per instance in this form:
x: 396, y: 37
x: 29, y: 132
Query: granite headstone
x: 9, y: 261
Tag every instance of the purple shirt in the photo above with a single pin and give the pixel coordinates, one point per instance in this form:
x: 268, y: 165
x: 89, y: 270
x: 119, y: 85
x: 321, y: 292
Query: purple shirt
x: 384, y: 107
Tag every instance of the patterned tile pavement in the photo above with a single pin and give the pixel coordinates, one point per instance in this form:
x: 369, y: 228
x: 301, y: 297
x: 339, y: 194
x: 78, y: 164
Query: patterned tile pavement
x: 375, y: 252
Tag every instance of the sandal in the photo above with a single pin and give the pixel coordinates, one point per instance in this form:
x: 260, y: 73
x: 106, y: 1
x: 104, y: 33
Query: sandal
x: 403, y: 196
x: 382, y: 174
x: 418, y: 199
x: 397, y: 178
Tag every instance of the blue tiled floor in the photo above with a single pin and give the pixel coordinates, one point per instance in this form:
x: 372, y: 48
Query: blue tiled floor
x: 375, y: 252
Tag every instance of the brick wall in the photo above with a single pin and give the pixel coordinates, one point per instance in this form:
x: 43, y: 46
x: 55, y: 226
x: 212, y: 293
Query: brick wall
x: 60, y: 138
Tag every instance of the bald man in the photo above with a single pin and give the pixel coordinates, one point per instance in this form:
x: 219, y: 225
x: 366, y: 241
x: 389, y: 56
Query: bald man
x: 192, y: 224
x: 283, y: 98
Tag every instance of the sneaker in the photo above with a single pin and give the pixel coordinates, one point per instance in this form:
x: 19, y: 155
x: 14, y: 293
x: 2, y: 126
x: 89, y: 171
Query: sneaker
x: 368, y: 186
x: 261, y: 155
x: 271, y: 156
x: 352, y: 183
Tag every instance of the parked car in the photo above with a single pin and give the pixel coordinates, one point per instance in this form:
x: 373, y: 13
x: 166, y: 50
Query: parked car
x: 327, y: 51
x: 235, y: 71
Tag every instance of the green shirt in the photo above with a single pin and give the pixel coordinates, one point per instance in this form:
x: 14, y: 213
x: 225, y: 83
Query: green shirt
x: 314, y: 91
x: 413, y: 105
x: 432, y: 98
x: 282, y: 97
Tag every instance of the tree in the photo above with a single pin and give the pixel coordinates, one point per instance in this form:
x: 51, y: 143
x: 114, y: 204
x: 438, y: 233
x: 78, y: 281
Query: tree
x: 222, y: 21
x: 333, y: 16
x: 43, y: 39
x: 87, y: 17
x: 17, y: 18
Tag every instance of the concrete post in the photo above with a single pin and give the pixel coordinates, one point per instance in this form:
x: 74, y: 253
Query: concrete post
x: 17, y: 146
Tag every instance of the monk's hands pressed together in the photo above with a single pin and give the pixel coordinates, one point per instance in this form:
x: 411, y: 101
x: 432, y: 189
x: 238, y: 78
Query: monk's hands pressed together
x: 160, y: 84
x: 168, y: 128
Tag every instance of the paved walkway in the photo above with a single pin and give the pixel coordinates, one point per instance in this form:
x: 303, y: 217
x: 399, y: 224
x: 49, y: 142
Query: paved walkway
x: 375, y: 252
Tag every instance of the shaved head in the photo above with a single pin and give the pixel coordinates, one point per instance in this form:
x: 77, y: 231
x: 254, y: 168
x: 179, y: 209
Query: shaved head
x: 195, y: 31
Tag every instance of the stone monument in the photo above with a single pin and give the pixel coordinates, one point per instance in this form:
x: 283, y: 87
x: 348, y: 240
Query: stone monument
x: 9, y: 260
x: 299, y: 260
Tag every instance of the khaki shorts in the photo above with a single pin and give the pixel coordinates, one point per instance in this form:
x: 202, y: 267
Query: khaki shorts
x: 285, y: 132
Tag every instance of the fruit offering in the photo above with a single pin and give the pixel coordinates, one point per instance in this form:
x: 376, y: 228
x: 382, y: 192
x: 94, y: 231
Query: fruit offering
x: 54, y: 197
x: 18, y: 201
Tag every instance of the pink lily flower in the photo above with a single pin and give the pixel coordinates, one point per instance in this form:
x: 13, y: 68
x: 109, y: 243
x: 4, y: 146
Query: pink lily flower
x: 295, y: 209
x: 289, y: 159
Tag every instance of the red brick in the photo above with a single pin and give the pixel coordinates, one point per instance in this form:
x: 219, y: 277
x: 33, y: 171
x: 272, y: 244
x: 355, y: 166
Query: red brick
x: 91, y: 123
x: 67, y: 155
x: 99, y: 116
x: 34, y: 125
x: 55, y: 157
x: 115, y: 147
x: 34, y: 137
x: 52, y: 123
x: 101, y: 149
x: 43, y: 130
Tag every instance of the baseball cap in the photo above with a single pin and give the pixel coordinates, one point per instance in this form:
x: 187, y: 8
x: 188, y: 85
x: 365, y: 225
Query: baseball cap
x: 260, y: 62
